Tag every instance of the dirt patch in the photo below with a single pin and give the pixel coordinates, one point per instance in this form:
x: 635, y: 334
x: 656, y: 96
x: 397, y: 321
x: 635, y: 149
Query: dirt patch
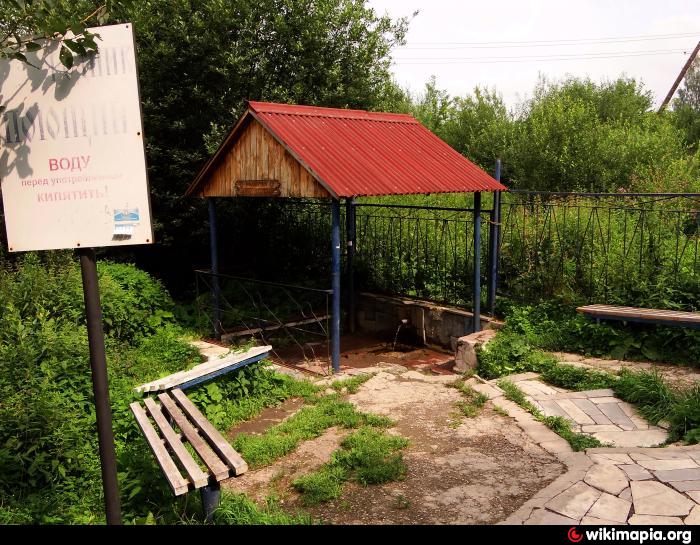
x: 460, y: 470
x: 267, y: 418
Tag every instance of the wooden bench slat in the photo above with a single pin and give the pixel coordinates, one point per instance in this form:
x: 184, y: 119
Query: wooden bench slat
x: 202, y: 369
x: 217, y: 442
x: 172, y: 474
x: 642, y: 312
x: 218, y: 469
x: 659, y: 316
x: 194, y: 472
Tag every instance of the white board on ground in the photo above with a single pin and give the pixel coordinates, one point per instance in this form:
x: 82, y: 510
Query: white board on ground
x: 72, y: 162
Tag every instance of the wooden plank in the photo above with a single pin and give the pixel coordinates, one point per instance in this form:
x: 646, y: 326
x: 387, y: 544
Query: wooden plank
x: 216, y: 440
x: 218, y: 469
x: 172, y: 474
x: 622, y: 313
x: 196, y: 475
x: 202, y: 369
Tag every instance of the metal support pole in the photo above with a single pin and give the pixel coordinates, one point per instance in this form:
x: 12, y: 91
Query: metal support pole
x: 335, y: 284
x: 350, y: 226
x: 476, y: 319
x: 210, y: 496
x: 100, y: 385
x: 494, y: 228
x: 215, y: 288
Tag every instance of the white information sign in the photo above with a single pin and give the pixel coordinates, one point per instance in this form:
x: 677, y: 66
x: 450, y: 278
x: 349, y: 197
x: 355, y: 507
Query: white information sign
x: 72, y: 162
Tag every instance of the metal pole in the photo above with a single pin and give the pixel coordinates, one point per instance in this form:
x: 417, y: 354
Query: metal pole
x: 335, y: 281
x: 215, y: 288
x: 350, y: 273
x: 476, y: 320
x: 100, y: 385
x: 493, y: 242
x: 211, y: 497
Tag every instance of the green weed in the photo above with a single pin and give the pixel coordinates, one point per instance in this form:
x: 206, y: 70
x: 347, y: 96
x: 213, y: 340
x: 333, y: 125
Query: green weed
x: 368, y: 456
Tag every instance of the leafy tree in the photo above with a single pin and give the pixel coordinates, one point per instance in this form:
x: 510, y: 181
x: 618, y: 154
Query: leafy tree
x: 199, y: 62
x: 27, y: 26
x: 687, y: 105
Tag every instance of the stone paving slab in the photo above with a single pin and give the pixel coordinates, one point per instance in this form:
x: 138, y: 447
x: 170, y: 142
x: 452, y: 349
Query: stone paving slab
x: 630, y: 484
x: 595, y: 412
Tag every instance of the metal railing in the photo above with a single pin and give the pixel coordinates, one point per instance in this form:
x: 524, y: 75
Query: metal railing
x: 237, y: 308
x: 616, y: 248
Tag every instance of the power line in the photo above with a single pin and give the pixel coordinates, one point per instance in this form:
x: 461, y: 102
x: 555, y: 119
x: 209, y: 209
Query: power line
x: 549, y: 43
x: 532, y: 58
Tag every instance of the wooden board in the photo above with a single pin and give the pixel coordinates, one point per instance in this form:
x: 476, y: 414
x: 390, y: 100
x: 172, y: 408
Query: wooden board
x: 172, y: 474
x: 217, y: 442
x: 674, y: 317
x: 174, y: 441
x: 256, y: 155
x: 216, y: 466
x: 202, y: 370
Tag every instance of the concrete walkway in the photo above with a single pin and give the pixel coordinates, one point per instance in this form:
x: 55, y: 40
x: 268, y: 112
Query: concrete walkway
x: 617, y: 485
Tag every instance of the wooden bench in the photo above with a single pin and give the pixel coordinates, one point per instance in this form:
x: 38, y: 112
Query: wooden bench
x: 206, y: 371
x: 216, y: 459
x: 644, y: 315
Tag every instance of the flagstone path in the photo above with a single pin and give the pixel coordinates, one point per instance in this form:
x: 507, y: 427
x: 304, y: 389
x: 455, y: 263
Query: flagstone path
x: 595, y: 412
x: 608, y: 485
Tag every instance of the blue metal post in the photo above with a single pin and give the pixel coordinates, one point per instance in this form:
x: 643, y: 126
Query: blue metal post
x: 350, y: 227
x: 476, y: 319
x: 215, y: 288
x: 494, y: 229
x: 335, y: 284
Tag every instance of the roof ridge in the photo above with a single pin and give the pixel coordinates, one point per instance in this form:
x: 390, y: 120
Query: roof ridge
x: 336, y: 113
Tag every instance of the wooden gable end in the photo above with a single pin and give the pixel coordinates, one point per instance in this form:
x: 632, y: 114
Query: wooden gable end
x: 257, y: 165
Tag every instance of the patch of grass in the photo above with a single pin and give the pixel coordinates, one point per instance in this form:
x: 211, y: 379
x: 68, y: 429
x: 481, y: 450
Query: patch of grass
x: 351, y: 384
x: 500, y: 411
x: 559, y: 425
x: 402, y: 502
x: 368, y: 456
x: 238, y: 509
x: 474, y: 401
x: 577, y: 378
x: 323, y: 485
x: 372, y: 455
x: 648, y: 391
x: 685, y: 415
x: 516, y: 395
x: 562, y: 427
x: 310, y: 422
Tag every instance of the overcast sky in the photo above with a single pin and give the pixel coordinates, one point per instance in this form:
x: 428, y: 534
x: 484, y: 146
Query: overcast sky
x: 446, y: 33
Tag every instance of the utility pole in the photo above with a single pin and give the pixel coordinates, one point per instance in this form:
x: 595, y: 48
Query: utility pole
x: 679, y: 78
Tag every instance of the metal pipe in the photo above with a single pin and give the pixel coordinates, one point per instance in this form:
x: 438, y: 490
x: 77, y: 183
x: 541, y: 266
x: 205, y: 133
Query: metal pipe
x: 100, y: 385
x: 350, y: 226
x: 493, y: 242
x: 263, y: 282
x: 476, y: 319
x: 413, y: 206
x: 335, y: 284
x: 215, y: 288
x: 621, y: 195
x: 210, y: 496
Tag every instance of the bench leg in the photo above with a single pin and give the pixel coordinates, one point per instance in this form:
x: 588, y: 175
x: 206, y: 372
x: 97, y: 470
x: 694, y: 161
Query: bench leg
x: 211, y: 495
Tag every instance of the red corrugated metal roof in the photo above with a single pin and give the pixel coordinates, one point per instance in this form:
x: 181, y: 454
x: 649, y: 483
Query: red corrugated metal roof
x: 358, y: 153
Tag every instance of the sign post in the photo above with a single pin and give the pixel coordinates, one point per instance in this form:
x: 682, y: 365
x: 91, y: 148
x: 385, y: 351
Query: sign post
x: 73, y: 175
x: 100, y: 385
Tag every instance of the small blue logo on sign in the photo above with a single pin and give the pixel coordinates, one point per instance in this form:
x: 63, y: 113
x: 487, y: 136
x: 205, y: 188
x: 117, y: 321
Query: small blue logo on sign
x: 126, y: 214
